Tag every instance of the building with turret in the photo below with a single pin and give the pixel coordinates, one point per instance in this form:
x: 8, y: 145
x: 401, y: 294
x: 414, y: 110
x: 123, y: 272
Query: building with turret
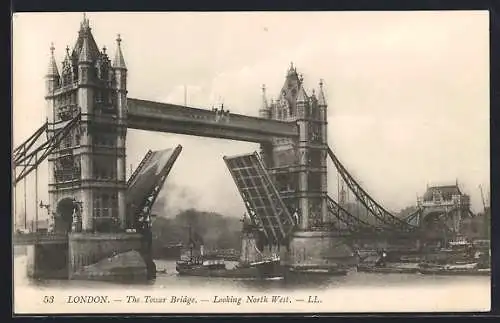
x: 443, y: 209
x: 299, y: 167
x: 87, y: 171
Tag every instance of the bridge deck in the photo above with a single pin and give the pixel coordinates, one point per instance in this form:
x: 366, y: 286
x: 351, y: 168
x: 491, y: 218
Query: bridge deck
x: 145, y: 183
x: 261, y: 198
x: 164, y: 117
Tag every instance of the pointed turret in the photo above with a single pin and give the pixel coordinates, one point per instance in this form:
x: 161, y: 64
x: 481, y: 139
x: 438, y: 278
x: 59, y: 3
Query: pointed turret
x: 264, y: 111
x: 119, y: 61
x: 264, y: 99
x: 52, y: 76
x: 302, y: 103
x: 67, y: 69
x: 52, y: 70
x: 85, y: 53
x: 85, y: 22
x: 313, y: 95
x: 85, y: 32
x: 302, y: 96
x: 292, y: 70
x: 67, y: 58
x: 321, y: 95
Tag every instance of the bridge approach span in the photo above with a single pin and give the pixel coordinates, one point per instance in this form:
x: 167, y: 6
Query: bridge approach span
x: 165, y: 117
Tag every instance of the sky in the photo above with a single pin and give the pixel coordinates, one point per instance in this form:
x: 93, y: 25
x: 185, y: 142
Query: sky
x: 407, y: 92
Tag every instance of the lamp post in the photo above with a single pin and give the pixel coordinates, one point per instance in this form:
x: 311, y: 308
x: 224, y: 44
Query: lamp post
x: 47, y: 207
x: 76, y: 224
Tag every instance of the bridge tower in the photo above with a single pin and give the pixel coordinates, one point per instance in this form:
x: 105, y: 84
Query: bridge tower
x: 298, y: 167
x: 87, y: 171
x: 87, y: 180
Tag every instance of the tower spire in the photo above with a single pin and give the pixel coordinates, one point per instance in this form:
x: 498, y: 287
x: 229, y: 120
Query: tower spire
x: 52, y: 70
x: 265, y: 109
x: 321, y: 95
x: 301, y: 96
x: 292, y: 69
x: 119, y: 61
x: 85, y: 54
x: 85, y: 22
x: 67, y: 58
x: 264, y: 99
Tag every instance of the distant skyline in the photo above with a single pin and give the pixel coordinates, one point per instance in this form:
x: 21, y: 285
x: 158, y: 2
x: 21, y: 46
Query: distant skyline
x: 407, y: 92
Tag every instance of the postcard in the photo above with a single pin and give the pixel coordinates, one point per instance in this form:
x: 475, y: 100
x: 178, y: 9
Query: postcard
x: 251, y: 162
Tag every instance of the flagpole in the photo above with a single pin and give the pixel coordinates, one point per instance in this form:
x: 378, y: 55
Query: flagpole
x: 185, y: 96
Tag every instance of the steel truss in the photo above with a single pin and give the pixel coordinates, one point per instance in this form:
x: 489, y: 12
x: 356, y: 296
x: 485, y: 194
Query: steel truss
x: 265, y: 207
x: 349, y: 221
x: 27, y: 155
x: 389, y: 220
x: 22, y: 149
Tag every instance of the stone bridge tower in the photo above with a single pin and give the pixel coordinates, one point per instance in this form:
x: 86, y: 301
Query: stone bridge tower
x: 87, y: 171
x: 299, y: 167
x: 299, y: 170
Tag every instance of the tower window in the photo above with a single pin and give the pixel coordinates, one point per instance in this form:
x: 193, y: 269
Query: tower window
x: 315, y: 157
x: 315, y: 132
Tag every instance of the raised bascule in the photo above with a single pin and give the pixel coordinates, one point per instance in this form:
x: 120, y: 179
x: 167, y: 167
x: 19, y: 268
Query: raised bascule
x: 96, y: 213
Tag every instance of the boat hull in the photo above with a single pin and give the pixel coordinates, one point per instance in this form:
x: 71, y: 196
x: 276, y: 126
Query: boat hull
x: 293, y: 273
x: 387, y: 270
x: 456, y: 272
x: 270, y: 270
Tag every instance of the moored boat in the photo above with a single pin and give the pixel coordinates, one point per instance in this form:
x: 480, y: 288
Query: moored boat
x: 196, y: 263
x: 379, y: 264
x: 460, y: 272
x: 216, y: 268
x: 471, y: 269
x: 200, y: 267
x: 460, y: 258
x: 315, y: 271
x: 388, y: 269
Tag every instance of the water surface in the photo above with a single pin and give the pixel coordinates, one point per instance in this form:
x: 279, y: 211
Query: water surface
x: 356, y: 292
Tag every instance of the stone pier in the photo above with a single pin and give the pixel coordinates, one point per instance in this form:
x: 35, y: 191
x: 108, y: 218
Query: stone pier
x: 47, y: 260
x: 320, y: 250
x: 91, y: 255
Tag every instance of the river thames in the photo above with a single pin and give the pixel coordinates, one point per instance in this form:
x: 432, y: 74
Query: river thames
x: 355, y: 292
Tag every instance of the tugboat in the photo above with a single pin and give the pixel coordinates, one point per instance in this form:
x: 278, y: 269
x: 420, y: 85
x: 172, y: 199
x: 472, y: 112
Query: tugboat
x: 253, y: 264
x: 254, y: 261
x: 196, y: 264
x: 380, y: 264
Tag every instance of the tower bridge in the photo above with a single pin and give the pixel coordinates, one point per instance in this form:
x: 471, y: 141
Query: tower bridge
x: 95, y: 211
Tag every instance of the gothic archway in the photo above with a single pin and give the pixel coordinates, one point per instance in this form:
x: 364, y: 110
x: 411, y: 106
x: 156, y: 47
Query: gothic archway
x: 64, y: 215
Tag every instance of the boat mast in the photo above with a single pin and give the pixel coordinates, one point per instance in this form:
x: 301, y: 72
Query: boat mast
x: 482, y: 199
x: 190, y: 244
